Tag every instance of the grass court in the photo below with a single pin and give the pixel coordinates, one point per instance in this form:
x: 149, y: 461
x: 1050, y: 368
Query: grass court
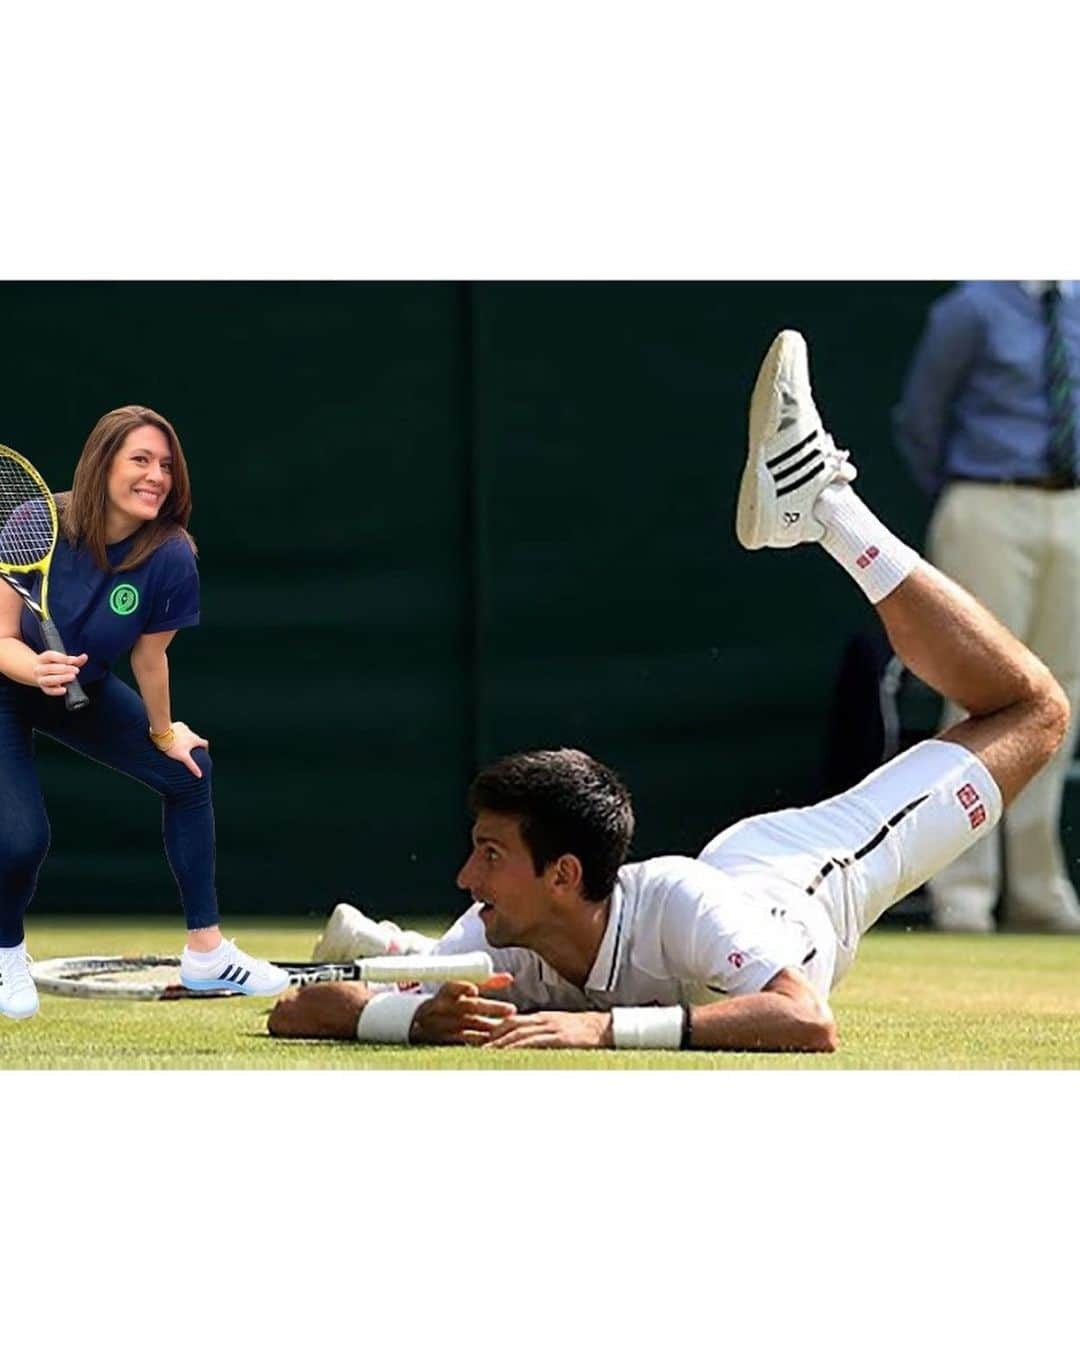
x: 912, y: 1001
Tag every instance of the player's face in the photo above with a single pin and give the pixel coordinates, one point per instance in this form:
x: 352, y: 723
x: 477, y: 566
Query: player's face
x: 499, y: 874
x: 140, y: 477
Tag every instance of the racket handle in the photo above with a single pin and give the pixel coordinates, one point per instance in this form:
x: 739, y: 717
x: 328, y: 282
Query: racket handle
x: 476, y: 967
x: 74, y: 695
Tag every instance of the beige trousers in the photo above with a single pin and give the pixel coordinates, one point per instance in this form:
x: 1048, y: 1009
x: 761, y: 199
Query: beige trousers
x: 1018, y: 550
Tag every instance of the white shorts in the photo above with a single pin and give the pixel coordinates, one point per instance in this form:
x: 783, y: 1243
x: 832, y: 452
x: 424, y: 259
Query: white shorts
x: 839, y: 865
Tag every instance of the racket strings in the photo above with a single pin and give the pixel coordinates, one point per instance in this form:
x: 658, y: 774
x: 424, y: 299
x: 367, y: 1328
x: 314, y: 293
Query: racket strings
x: 26, y: 520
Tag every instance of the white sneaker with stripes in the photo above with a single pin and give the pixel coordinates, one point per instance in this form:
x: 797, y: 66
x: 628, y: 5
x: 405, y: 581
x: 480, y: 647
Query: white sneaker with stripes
x: 18, y: 996
x: 227, y: 967
x: 350, y: 935
x: 792, y: 457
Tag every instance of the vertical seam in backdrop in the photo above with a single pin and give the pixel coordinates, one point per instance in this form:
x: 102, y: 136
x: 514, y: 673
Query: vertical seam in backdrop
x: 474, y: 535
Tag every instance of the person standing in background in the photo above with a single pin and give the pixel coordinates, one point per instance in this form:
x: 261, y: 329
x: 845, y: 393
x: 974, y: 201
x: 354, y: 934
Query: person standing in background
x: 988, y: 424
x: 123, y: 580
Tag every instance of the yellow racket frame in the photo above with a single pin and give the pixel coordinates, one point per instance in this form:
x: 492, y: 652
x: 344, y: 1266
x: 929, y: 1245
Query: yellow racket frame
x: 74, y: 695
x: 42, y: 565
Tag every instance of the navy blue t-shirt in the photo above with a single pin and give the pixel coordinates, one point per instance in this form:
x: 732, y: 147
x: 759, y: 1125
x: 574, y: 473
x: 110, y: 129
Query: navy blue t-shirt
x: 103, y: 613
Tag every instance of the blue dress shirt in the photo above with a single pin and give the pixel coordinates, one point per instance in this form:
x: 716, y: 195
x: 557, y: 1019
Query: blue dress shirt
x: 974, y: 403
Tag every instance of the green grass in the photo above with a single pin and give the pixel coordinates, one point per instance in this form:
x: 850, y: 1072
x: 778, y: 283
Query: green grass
x: 912, y: 1001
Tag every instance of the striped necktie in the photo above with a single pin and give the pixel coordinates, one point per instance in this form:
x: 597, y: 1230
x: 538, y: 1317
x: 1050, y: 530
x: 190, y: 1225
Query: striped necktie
x: 1062, y: 450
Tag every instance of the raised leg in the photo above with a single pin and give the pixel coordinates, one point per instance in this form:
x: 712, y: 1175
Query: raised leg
x: 1017, y: 711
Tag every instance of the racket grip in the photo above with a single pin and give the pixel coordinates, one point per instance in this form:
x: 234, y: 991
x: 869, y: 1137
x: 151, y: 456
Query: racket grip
x: 476, y: 967
x: 74, y: 694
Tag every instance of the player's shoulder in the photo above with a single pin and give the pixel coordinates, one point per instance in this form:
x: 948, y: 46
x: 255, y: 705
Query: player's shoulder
x: 667, y: 900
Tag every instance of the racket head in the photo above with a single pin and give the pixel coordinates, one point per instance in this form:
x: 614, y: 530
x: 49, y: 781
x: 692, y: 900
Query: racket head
x: 155, y: 978
x: 28, y: 520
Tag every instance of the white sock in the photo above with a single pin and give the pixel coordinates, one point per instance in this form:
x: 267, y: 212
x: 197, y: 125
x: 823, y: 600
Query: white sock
x: 863, y: 547
x: 204, y: 958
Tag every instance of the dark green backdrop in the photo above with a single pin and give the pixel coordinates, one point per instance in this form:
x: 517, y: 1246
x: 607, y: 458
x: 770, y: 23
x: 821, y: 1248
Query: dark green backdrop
x: 440, y: 521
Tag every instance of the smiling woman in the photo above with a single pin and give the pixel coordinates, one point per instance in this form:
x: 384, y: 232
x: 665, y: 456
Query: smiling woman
x: 123, y: 579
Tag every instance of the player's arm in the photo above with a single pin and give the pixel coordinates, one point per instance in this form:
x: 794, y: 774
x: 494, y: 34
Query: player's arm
x: 458, y: 1013
x: 16, y: 659
x: 150, y: 666
x: 787, y: 1014
x: 50, y: 671
x: 454, y: 1013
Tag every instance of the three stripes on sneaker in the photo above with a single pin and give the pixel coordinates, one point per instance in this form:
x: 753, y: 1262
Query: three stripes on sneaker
x: 238, y: 974
x: 784, y: 466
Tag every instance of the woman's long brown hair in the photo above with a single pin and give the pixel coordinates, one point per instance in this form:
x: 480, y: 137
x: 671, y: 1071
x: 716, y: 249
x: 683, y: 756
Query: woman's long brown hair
x: 82, y: 511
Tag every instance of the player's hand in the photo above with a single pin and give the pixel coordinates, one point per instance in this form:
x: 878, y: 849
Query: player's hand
x: 183, y: 742
x: 461, y: 1014
x: 54, y: 671
x: 553, y: 1031
x: 327, y: 1011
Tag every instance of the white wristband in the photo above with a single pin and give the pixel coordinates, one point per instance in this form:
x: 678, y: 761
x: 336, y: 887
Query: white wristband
x: 648, y: 1028
x: 387, y: 1018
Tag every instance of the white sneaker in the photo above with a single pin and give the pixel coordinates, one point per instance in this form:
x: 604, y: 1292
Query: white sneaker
x: 351, y: 935
x: 231, y: 969
x: 18, y: 996
x: 792, y: 457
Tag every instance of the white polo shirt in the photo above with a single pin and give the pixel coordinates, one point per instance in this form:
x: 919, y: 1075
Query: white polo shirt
x: 678, y: 931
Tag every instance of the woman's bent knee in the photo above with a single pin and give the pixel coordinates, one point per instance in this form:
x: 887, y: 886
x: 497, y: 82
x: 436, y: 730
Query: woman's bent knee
x: 183, y: 786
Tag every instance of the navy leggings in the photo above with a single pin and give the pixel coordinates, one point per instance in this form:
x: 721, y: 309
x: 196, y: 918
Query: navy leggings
x: 111, y: 730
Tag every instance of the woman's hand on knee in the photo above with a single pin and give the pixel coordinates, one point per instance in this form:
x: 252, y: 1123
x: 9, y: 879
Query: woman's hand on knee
x: 184, y: 741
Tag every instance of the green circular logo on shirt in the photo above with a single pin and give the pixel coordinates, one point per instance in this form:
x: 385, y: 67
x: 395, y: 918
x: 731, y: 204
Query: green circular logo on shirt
x: 123, y: 599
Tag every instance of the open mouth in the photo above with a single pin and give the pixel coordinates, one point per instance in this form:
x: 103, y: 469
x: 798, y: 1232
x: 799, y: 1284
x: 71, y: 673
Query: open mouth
x: 486, y: 907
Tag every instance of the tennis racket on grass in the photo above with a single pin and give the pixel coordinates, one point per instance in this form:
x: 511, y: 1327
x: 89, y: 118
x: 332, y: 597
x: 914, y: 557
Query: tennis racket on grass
x: 28, y: 530
x: 158, y: 977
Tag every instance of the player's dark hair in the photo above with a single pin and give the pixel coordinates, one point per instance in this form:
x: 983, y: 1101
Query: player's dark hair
x: 82, y: 511
x: 564, y: 802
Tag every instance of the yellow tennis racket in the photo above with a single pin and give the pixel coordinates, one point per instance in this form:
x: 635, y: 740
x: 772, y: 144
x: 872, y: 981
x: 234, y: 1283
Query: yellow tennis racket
x: 28, y: 530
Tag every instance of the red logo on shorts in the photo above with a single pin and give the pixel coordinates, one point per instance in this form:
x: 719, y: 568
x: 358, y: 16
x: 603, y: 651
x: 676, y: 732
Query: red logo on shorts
x: 865, y: 559
x: 737, y: 959
x: 970, y: 801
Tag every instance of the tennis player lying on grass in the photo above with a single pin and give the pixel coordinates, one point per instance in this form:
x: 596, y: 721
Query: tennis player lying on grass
x: 589, y: 952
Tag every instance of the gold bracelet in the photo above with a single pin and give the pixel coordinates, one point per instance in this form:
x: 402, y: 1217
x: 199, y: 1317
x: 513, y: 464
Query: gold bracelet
x: 162, y: 739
